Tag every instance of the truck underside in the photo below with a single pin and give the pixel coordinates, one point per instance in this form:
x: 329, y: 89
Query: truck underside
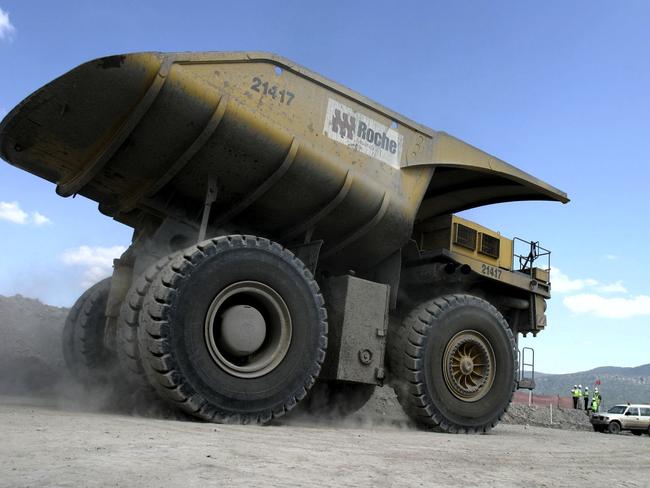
x: 294, y: 242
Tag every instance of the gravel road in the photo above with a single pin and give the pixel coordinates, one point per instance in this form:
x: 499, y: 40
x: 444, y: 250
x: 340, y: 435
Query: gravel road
x: 44, y: 446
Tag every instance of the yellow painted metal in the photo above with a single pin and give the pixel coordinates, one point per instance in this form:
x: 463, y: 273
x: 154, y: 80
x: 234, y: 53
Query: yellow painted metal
x: 142, y: 134
x: 440, y: 234
x: 516, y: 279
x: 505, y: 245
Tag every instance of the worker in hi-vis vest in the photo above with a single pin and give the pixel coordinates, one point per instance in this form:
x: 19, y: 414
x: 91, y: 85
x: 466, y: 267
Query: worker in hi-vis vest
x: 574, y: 394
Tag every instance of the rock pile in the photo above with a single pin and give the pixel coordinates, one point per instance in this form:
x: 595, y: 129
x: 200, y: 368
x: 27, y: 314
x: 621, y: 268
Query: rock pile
x: 567, y: 419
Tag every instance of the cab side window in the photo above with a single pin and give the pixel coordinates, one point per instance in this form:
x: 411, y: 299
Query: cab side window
x: 634, y: 411
x: 645, y: 412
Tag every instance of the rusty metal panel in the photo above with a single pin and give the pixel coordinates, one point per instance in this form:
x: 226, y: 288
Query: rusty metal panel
x: 358, y: 318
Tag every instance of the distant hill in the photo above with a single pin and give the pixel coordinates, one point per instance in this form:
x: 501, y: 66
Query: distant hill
x: 617, y: 385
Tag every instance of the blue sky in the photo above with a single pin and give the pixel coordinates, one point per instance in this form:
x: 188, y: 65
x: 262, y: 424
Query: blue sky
x: 560, y: 89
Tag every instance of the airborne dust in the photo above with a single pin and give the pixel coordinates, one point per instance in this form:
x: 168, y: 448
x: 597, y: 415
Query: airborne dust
x: 32, y: 367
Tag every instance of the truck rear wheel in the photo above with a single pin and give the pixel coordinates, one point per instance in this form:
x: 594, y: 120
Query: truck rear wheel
x: 128, y: 352
x: 83, y: 335
x: 453, y: 364
x: 233, y: 330
x: 337, y: 399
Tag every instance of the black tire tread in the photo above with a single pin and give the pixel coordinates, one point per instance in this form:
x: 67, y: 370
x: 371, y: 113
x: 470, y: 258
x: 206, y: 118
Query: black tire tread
x: 160, y: 365
x: 82, y: 351
x: 128, y: 351
x: 405, y: 360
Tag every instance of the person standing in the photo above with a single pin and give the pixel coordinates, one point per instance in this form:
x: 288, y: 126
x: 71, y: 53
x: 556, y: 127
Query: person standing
x: 598, y: 400
x: 585, y: 396
x: 580, y: 401
x: 574, y: 395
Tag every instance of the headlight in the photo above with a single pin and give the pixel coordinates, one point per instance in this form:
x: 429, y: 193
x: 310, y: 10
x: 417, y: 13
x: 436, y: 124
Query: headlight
x: 606, y: 418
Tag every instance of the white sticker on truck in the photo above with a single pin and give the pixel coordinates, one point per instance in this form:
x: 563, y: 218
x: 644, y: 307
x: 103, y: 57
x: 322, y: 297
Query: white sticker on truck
x: 362, y: 133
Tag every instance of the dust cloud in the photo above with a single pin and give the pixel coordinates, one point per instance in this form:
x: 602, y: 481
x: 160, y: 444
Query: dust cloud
x: 32, y: 367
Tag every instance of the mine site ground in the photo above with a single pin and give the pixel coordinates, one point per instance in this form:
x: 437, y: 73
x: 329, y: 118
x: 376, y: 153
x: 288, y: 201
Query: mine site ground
x: 54, y: 432
x: 44, y: 444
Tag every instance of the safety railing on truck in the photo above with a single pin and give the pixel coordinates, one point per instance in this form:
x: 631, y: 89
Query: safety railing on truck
x: 531, y: 258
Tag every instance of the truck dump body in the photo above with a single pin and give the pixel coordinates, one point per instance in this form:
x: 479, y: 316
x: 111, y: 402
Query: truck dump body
x: 292, y: 152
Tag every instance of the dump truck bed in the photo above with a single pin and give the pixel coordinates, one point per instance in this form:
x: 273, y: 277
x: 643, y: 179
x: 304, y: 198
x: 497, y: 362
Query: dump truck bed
x: 293, y: 154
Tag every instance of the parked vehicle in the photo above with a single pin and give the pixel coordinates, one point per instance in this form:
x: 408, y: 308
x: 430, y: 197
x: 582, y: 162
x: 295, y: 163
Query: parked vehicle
x: 635, y: 418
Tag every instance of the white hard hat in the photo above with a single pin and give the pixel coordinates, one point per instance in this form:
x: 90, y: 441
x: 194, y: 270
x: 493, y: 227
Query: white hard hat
x: 579, y: 386
x: 586, y: 387
x: 596, y: 389
x: 575, y: 386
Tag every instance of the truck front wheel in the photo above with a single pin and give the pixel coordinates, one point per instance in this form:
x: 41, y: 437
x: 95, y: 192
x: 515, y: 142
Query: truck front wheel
x: 453, y: 364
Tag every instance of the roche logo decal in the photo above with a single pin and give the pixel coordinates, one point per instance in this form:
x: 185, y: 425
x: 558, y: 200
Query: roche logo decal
x: 362, y: 133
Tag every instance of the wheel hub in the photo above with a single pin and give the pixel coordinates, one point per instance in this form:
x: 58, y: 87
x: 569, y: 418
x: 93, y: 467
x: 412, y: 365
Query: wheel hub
x: 469, y: 366
x: 248, y: 329
x: 466, y: 365
x: 243, y: 330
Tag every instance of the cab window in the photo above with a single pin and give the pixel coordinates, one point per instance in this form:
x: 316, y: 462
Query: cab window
x: 645, y: 412
x: 634, y: 411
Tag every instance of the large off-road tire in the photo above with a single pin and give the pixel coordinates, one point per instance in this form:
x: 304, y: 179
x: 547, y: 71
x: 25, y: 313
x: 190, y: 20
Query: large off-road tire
x: 452, y: 364
x: 83, y: 335
x: 336, y: 399
x: 190, y: 337
x: 128, y: 351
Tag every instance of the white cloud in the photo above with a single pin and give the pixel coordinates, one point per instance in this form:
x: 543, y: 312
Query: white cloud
x: 12, y: 212
x: 610, y: 257
x: 561, y: 283
x: 7, y: 29
x: 592, y: 300
x: 97, y: 261
x: 608, y: 307
x: 612, y: 288
x: 40, y: 219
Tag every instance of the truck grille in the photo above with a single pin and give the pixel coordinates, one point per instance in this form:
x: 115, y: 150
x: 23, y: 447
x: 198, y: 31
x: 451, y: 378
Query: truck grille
x: 465, y: 236
x: 489, y: 246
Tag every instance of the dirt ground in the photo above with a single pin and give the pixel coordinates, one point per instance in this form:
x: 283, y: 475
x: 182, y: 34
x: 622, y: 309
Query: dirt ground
x: 45, y: 446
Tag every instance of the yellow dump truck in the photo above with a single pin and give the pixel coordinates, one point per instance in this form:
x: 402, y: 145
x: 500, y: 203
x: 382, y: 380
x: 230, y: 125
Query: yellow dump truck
x: 294, y: 241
